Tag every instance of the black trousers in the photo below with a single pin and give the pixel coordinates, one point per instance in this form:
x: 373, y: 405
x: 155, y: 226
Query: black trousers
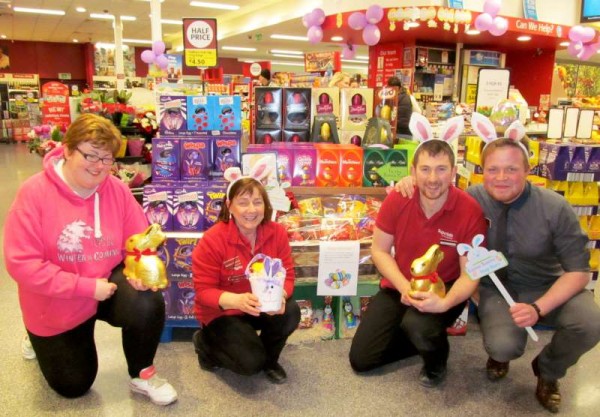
x: 69, y: 361
x: 390, y: 331
x: 233, y: 343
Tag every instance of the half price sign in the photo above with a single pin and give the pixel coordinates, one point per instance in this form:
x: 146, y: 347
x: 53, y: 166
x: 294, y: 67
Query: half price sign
x: 200, y: 42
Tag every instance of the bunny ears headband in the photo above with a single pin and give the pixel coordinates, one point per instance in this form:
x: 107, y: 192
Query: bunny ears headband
x: 260, y: 172
x: 486, y: 130
x: 421, y: 129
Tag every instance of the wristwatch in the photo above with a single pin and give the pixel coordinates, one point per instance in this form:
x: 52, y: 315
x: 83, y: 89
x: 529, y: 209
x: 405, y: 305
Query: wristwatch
x: 537, y: 309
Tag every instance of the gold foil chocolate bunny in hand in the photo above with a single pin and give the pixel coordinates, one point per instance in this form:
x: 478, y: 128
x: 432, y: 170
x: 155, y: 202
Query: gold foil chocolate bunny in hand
x: 424, y: 272
x: 141, y: 258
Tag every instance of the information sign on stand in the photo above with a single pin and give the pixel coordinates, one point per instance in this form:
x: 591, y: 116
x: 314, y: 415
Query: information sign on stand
x: 55, y: 109
x: 492, y: 86
x: 200, y: 42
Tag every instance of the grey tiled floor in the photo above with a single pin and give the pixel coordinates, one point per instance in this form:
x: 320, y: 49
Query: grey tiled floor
x: 320, y: 382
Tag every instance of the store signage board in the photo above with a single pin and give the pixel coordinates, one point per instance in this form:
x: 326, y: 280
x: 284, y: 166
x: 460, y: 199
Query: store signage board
x: 55, y: 109
x: 322, y: 61
x: 200, y: 42
x: 492, y: 86
x: 456, y: 4
x: 484, y: 58
x: 338, y: 267
x: 529, y: 9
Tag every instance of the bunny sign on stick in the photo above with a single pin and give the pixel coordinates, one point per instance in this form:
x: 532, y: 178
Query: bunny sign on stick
x: 481, y: 262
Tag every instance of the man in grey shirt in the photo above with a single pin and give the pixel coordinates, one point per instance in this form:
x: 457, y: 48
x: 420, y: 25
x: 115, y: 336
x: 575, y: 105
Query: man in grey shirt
x: 547, y: 272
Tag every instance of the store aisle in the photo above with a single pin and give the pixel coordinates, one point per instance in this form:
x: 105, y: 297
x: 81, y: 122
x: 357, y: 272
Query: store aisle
x: 320, y: 381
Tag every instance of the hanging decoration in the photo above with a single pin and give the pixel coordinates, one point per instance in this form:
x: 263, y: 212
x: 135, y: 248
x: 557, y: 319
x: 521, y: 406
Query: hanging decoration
x: 488, y: 20
x: 582, y: 44
x: 434, y: 17
x: 156, y: 56
x: 313, y: 21
x: 349, y: 51
x: 367, y: 22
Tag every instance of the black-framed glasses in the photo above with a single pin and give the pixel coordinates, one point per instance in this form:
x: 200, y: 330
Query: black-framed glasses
x: 95, y: 158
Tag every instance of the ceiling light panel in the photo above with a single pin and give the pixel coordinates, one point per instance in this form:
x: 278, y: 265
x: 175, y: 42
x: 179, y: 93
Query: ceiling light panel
x: 209, y: 5
x: 39, y: 11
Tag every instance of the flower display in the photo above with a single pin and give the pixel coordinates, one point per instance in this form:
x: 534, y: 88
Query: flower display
x: 44, y: 138
x: 147, y: 124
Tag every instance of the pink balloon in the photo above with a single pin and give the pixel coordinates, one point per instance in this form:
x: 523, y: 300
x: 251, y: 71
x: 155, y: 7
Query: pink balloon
x: 306, y: 20
x: 492, y: 7
x: 499, y: 27
x: 484, y: 22
x: 158, y: 47
x: 162, y: 61
x: 348, y: 52
x: 587, y: 34
x: 371, y: 35
x: 357, y: 21
x: 318, y: 16
x: 575, y: 33
x: 374, y: 14
x: 574, y: 48
x: 315, y: 34
x: 148, y: 56
x: 586, y: 52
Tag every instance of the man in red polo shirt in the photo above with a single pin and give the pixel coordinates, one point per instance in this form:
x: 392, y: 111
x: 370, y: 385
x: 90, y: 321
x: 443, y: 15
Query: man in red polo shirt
x: 400, y: 323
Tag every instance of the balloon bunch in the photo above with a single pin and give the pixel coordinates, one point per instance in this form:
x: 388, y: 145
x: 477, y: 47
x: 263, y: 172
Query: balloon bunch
x: 368, y: 23
x: 496, y: 25
x: 156, y: 55
x: 313, y: 21
x: 348, y: 51
x: 582, y: 44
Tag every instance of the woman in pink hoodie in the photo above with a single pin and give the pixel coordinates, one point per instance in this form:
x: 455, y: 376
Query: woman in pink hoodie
x: 63, y: 245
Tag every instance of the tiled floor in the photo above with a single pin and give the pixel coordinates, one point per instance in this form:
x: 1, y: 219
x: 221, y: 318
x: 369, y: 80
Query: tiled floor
x: 320, y: 381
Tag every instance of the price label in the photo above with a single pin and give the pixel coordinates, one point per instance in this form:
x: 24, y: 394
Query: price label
x: 200, y: 58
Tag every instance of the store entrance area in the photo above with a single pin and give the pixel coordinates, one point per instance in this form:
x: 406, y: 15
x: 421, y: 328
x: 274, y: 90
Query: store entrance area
x: 320, y: 379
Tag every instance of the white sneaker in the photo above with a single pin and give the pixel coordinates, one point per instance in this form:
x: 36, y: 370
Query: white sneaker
x: 26, y: 348
x: 157, y: 389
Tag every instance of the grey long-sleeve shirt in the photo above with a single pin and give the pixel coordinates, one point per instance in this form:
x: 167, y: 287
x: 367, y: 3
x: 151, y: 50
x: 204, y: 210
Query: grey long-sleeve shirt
x: 544, y: 237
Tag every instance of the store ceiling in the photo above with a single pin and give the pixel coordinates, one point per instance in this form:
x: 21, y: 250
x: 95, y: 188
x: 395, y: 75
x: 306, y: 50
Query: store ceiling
x: 250, y: 26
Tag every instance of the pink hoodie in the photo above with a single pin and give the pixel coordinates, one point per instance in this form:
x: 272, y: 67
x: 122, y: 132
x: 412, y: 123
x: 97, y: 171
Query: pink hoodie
x: 57, y: 244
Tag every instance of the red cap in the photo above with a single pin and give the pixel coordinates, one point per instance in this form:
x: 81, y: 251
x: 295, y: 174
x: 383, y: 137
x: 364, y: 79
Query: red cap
x: 355, y: 140
x: 267, y: 139
x: 357, y: 100
x: 324, y: 98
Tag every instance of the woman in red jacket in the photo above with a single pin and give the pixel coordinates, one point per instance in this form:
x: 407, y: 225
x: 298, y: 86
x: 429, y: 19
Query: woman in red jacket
x: 229, y: 313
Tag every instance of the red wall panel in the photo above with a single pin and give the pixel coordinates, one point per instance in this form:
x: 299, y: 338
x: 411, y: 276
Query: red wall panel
x: 531, y: 72
x: 46, y: 58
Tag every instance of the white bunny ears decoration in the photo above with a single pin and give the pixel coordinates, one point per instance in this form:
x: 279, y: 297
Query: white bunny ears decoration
x: 260, y: 171
x: 421, y: 128
x: 473, y: 252
x: 486, y: 130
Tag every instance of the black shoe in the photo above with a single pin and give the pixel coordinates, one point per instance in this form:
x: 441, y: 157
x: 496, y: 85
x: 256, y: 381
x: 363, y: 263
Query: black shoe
x: 546, y: 392
x: 275, y: 374
x: 431, y: 379
x: 204, y: 360
x: 496, y: 370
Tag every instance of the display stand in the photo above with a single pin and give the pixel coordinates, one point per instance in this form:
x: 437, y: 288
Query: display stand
x: 306, y: 259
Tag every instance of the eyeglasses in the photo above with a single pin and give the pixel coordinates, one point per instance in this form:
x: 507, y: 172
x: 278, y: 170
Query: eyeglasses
x: 95, y: 158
